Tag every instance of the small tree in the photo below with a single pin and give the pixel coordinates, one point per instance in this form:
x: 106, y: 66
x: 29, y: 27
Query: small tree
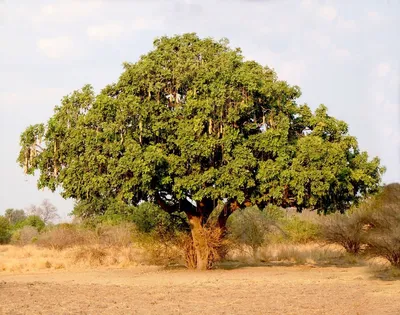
x: 46, y: 211
x: 250, y: 227
x: 15, y: 215
x: 344, y: 229
x: 383, y: 238
x: 32, y: 220
x: 5, y: 234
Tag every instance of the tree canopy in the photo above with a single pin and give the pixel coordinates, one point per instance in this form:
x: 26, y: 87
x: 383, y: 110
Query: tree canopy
x: 14, y: 215
x: 193, y: 124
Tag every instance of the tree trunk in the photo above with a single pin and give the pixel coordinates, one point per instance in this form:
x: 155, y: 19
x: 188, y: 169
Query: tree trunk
x: 199, y: 242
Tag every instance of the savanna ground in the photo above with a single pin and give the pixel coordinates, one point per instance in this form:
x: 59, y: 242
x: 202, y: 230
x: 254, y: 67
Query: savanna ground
x: 35, y: 281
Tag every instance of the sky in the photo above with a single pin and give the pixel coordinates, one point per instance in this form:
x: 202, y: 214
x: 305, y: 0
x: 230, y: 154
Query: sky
x: 344, y: 54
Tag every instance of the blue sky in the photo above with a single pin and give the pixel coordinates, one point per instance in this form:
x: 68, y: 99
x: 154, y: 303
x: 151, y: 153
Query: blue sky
x: 344, y: 54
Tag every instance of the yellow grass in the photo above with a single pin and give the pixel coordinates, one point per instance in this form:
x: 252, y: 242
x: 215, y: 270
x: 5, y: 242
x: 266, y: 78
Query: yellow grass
x: 32, y: 258
x: 310, y: 253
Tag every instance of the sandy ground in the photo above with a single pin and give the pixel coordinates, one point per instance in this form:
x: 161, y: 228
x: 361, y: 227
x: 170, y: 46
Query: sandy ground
x: 251, y: 290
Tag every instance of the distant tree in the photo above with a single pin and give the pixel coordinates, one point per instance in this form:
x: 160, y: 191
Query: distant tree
x: 5, y: 234
x: 33, y: 220
x: 46, y: 211
x: 192, y: 125
x: 15, y: 215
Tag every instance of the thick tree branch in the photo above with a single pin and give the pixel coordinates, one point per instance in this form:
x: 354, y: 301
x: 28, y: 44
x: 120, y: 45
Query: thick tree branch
x: 180, y: 205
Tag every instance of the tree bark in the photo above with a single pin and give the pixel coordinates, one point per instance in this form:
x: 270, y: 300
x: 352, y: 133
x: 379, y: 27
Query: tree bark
x: 199, y: 242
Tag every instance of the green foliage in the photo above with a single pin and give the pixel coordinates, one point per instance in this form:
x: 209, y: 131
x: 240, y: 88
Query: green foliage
x: 297, y: 230
x: 149, y: 217
x: 274, y: 213
x: 26, y: 235
x: 193, y: 120
x: 15, y: 216
x: 32, y: 220
x: 5, y: 234
x: 250, y: 227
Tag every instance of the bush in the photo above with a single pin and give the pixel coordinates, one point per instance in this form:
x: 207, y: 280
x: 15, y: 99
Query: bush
x: 346, y: 230
x: 116, y: 235
x: 32, y: 220
x: 297, y: 230
x: 249, y: 227
x: 383, y: 237
x: 25, y: 236
x: 61, y: 238
x: 161, y: 250
x: 5, y: 234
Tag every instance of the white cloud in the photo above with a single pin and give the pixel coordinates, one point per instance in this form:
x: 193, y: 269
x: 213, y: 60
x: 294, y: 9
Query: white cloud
x: 391, y: 108
x: 327, y: 12
x: 56, y: 47
x: 324, y: 41
x: 70, y: 9
x: 383, y: 69
x: 395, y: 81
x: 374, y: 16
x: 307, y: 3
x: 347, y: 25
x: 142, y: 23
x: 392, y: 135
x: 342, y: 53
x: 292, y: 71
x: 102, y: 32
x: 379, y: 98
x: 16, y: 102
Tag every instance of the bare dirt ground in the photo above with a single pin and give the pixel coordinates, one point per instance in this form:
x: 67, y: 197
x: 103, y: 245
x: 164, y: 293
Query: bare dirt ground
x: 251, y: 290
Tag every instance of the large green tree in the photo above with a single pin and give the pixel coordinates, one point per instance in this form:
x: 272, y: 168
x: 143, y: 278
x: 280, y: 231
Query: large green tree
x: 192, y: 125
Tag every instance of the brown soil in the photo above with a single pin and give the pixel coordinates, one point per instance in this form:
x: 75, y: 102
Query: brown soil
x: 252, y: 290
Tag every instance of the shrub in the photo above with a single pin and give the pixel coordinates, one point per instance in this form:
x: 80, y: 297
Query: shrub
x: 116, y: 235
x: 61, y: 238
x: 15, y: 215
x: 5, y: 234
x: 383, y: 237
x: 25, y: 235
x: 93, y: 255
x: 32, y: 220
x: 385, y: 244
x: 297, y: 230
x: 346, y: 230
x: 249, y: 227
x: 158, y: 250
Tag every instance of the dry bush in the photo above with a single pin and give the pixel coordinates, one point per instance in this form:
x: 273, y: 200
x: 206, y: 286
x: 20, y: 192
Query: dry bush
x: 24, y: 236
x: 385, y: 244
x: 159, y: 250
x: 383, y: 236
x: 61, y: 238
x: 116, y: 235
x: 311, y: 253
x: 32, y: 258
x: 347, y: 230
x: 249, y: 229
x: 93, y: 255
x: 215, y: 245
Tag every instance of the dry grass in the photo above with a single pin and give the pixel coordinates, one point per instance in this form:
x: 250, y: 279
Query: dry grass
x: 32, y: 258
x: 310, y: 253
